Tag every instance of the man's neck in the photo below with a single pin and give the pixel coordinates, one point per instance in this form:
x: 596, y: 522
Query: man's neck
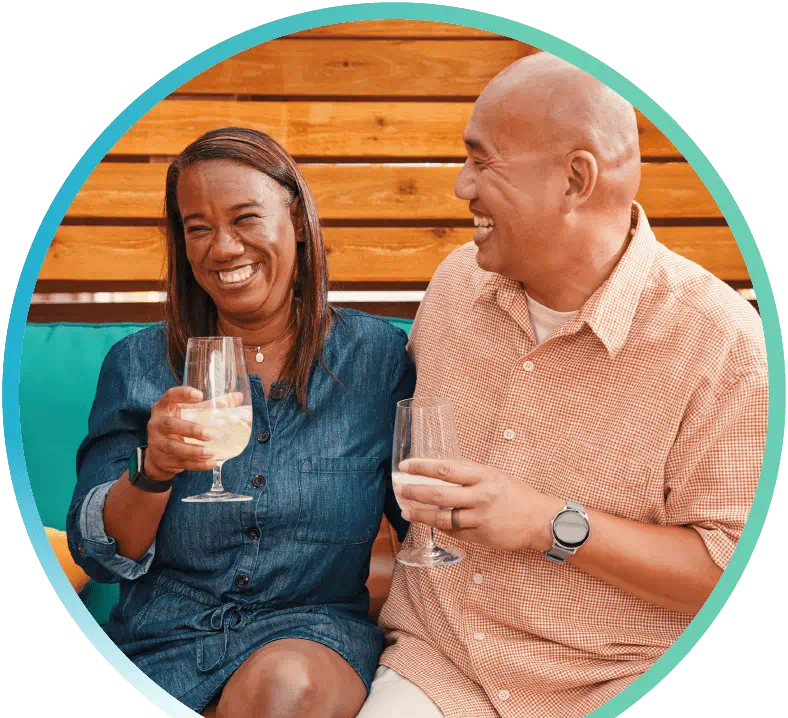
x: 566, y: 284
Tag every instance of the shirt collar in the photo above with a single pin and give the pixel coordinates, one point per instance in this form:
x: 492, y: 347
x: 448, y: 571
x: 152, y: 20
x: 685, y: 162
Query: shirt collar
x: 610, y: 309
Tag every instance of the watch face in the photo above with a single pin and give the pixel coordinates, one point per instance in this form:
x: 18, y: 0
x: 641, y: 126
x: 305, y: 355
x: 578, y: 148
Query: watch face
x: 570, y: 528
x: 133, y: 465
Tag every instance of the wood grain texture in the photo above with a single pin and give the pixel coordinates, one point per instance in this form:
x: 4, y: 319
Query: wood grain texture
x: 395, y: 28
x: 360, y: 254
x: 356, y: 68
x: 352, y: 130
x: 375, y: 192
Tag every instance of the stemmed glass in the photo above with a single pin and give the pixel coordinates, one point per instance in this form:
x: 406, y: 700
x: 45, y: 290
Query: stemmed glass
x: 424, y: 428
x: 216, y: 366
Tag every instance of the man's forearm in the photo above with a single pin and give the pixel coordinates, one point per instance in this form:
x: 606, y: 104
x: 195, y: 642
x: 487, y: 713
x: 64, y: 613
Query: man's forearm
x: 665, y: 565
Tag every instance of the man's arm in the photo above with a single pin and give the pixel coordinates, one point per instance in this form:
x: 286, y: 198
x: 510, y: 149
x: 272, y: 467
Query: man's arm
x: 710, y: 481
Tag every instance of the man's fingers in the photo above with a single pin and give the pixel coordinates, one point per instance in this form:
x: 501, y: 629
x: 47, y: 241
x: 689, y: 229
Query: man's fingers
x: 441, y: 496
x: 456, y: 471
x: 442, y: 519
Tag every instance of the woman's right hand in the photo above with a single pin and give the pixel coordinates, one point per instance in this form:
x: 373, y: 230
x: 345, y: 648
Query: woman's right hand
x: 168, y: 453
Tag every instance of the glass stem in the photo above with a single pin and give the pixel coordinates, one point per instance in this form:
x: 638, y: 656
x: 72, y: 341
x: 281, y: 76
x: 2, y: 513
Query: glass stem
x: 217, y: 487
x: 431, y: 543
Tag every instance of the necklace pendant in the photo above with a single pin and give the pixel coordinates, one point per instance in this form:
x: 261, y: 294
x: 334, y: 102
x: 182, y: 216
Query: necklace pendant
x: 259, y: 358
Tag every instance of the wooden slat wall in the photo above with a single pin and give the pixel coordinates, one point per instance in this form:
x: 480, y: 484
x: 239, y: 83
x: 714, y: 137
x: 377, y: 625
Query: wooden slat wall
x: 374, y: 112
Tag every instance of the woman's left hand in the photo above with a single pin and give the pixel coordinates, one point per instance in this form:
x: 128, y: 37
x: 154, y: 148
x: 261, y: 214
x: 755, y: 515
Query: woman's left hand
x: 491, y: 507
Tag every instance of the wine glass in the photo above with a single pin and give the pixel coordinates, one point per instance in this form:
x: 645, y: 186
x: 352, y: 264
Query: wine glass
x: 424, y: 428
x: 216, y: 366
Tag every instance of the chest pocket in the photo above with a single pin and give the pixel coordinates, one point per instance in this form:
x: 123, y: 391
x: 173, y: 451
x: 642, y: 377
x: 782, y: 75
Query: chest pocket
x: 604, y: 477
x: 338, y: 499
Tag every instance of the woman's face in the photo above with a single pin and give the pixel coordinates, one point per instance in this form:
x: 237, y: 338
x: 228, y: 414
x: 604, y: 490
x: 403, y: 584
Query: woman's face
x: 240, y: 237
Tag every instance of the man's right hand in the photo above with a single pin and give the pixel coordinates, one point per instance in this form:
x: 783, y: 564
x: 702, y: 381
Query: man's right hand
x: 168, y: 453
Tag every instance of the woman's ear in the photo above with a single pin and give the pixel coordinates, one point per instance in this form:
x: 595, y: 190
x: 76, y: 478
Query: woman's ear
x: 297, y: 218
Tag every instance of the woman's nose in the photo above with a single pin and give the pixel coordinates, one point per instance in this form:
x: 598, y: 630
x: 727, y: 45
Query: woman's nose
x: 465, y: 185
x: 226, y: 246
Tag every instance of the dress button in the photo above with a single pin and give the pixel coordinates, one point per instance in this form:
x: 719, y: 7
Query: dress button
x: 258, y: 481
x: 278, y: 393
x: 508, y: 434
x: 478, y: 578
x: 528, y: 366
x: 504, y: 695
x: 479, y: 636
x: 263, y: 436
x: 242, y: 580
x: 253, y: 533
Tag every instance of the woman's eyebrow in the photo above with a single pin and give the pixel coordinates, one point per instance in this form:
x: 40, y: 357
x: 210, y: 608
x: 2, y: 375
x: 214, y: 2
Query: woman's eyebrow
x: 245, y: 205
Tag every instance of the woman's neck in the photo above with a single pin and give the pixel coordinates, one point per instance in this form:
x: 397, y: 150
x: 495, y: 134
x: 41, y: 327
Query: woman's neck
x: 259, y: 331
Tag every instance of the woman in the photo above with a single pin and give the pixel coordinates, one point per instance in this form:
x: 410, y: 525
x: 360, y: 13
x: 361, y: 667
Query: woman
x: 256, y: 608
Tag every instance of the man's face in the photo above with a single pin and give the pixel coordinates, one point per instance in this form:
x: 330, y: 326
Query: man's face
x: 512, y: 182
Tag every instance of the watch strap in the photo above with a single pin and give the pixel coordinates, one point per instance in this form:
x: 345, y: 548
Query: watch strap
x: 142, y: 482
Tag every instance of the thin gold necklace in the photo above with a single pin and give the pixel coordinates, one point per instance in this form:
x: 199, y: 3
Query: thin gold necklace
x: 259, y: 357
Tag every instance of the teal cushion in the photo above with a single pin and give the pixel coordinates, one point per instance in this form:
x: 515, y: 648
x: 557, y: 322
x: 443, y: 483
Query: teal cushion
x: 59, y: 371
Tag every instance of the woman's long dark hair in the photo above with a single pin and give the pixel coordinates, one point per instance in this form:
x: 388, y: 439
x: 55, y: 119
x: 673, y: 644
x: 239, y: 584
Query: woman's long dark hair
x: 190, y: 311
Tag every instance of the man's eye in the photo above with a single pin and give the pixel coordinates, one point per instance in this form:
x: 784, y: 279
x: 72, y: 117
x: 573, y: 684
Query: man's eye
x: 197, y: 229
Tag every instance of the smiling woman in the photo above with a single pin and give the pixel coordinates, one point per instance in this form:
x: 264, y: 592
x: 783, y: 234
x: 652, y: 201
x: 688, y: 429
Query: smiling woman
x: 245, y: 259
x: 245, y: 253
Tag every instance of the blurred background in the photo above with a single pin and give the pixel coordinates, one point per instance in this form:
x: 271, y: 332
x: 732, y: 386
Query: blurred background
x: 374, y: 113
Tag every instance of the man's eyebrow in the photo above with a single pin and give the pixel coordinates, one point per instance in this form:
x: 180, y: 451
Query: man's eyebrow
x: 473, y: 144
x: 196, y: 215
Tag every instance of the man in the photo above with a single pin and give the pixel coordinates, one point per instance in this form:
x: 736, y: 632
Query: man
x: 603, y: 385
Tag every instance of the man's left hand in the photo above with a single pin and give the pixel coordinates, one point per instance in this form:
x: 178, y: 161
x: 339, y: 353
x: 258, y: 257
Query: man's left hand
x: 492, y: 508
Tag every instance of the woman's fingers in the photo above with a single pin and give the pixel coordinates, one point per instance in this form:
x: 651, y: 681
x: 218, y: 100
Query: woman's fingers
x: 173, y: 398
x: 175, y: 426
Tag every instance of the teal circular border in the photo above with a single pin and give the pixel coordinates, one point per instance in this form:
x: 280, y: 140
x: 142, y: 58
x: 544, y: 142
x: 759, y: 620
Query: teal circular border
x: 400, y: 11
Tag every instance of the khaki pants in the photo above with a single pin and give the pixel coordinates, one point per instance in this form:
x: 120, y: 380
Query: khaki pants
x: 393, y: 696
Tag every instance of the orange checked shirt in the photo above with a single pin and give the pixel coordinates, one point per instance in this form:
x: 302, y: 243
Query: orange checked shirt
x: 650, y: 404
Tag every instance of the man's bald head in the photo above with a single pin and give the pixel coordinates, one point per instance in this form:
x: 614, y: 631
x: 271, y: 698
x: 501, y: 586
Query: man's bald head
x: 552, y: 105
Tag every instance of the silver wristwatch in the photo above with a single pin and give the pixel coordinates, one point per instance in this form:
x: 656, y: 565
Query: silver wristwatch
x: 570, y: 529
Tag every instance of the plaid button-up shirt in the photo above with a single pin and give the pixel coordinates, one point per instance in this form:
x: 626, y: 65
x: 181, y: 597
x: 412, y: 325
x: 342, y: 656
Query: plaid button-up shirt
x: 650, y: 404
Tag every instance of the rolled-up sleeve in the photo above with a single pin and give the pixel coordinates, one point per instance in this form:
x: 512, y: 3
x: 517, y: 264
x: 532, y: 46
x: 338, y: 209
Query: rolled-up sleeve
x: 714, y: 466
x: 116, y: 427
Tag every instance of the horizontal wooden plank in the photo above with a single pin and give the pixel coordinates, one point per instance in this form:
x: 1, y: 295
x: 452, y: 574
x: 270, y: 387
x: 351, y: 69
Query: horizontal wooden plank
x: 352, y: 130
x: 374, y: 192
x: 356, y: 68
x: 395, y: 28
x: 360, y: 254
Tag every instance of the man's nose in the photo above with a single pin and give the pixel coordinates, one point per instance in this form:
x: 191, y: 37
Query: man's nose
x: 465, y: 185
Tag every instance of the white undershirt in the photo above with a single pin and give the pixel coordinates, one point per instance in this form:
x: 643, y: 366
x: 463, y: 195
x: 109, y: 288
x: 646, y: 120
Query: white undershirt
x: 545, y: 320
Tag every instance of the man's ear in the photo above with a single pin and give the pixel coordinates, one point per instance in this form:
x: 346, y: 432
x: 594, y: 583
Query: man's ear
x: 582, y: 173
x: 297, y: 218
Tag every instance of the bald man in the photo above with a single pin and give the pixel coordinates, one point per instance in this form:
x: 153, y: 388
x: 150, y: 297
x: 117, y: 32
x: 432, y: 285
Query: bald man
x: 611, y: 404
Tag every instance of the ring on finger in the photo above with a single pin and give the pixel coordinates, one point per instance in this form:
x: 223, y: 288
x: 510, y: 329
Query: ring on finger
x: 455, y: 518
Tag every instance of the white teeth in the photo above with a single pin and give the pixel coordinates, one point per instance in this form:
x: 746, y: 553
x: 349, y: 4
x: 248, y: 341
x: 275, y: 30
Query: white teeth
x: 476, y: 220
x: 238, y: 275
x: 481, y: 221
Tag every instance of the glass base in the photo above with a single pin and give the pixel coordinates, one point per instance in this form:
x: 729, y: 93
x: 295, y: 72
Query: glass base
x: 211, y: 497
x: 430, y: 556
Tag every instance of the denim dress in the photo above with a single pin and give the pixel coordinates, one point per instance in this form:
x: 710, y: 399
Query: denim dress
x: 221, y: 580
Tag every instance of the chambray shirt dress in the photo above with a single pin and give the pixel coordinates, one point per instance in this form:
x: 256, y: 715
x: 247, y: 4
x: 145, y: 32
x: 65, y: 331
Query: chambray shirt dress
x: 221, y: 580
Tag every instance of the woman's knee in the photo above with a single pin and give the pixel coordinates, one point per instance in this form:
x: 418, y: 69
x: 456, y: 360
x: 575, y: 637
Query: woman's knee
x: 270, y: 687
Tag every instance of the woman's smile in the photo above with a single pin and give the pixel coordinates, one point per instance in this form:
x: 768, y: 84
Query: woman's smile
x: 238, y: 277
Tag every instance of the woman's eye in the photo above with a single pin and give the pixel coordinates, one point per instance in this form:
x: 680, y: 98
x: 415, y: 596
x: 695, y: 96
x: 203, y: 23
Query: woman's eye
x: 197, y: 229
x: 247, y: 218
